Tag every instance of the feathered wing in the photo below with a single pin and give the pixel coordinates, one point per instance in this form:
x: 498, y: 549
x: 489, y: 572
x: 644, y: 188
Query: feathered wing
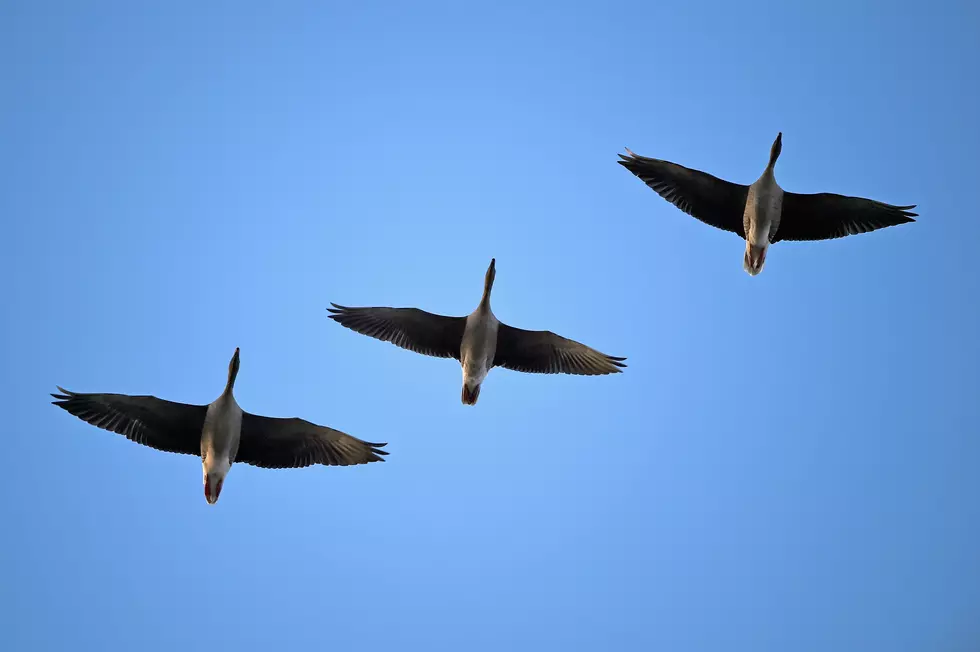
x: 825, y: 216
x: 714, y: 201
x: 409, y: 328
x: 148, y: 420
x: 543, y: 352
x: 278, y: 443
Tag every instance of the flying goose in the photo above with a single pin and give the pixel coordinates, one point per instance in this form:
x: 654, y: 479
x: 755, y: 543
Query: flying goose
x: 478, y: 341
x: 763, y: 213
x: 221, y: 433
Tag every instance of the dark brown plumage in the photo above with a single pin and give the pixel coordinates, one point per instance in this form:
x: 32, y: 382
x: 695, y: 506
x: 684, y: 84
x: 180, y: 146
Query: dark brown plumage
x: 722, y: 204
x: 176, y: 428
x: 478, y: 341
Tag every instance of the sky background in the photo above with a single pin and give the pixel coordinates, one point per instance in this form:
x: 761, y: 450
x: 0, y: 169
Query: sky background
x: 788, y: 463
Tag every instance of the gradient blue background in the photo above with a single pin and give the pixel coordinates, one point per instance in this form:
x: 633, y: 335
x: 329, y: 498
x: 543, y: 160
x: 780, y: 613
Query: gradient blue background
x: 789, y: 463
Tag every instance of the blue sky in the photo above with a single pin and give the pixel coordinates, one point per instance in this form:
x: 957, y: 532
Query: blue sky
x: 789, y: 462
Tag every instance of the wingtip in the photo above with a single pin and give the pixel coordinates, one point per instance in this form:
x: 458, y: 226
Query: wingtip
x: 376, y: 449
x: 617, y: 362
x: 65, y: 395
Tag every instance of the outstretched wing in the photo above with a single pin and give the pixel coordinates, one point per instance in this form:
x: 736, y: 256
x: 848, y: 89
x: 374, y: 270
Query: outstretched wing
x: 543, y: 352
x: 409, y: 328
x: 148, y: 420
x: 277, y: 443
x: 825, y: 216
x: 714, y: 201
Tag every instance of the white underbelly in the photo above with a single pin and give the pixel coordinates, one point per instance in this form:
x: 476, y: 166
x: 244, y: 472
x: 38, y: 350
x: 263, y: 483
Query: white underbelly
x: 479, y: 345
x: 760, y: 234
x: 222, y: 430
x: 473, y: 374
x: 762, y: 211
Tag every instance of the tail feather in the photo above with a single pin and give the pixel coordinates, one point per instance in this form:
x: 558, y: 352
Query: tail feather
x: 754, y: 259
x: 469, y: 397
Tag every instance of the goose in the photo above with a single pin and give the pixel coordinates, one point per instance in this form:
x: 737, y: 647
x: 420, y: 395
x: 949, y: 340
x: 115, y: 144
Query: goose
x: 221, y: 432
x: 763, y: 213
x: 478, y: 341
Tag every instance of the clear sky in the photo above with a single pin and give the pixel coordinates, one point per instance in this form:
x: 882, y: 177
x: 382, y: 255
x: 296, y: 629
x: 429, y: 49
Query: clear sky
x: 788, y: 463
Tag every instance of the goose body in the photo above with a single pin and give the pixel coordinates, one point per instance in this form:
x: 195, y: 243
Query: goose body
x: 220, y: 437
x: 763, y: 208
x: 763, y: 213
x: 478, y: 341
x: 220, y: 432
x: 477, y: 350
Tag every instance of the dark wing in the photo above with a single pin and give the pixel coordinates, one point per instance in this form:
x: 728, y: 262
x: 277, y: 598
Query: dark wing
x: 275, y: 443
x: 826, y: 216
x: 148, y: 420
x: 543, y: 352
x: 409, y: 328
x: 712, y: 200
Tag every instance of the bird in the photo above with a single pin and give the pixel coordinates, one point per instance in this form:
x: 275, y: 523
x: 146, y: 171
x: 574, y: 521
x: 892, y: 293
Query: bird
x: 763, y: 213
x: 220, y: 432
x: 478, y: 341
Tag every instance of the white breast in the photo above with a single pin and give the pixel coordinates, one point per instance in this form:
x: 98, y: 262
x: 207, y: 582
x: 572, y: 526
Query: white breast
x: 478, y: 347
x: 763, y: 207
x: 222, y: 430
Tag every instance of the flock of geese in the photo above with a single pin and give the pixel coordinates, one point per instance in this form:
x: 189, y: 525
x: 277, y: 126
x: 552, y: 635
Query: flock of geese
x: 222, y: 433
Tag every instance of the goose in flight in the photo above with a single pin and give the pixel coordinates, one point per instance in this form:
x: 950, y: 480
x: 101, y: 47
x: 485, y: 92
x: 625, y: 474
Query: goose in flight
x: 763, y: 213
x: 478, y: 341
x: 221, y: 433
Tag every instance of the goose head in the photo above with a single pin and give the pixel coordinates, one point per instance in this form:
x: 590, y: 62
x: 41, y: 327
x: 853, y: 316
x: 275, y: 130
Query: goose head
x: 233, y: 370
x: 777, y: 147
x: 488, y: 282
